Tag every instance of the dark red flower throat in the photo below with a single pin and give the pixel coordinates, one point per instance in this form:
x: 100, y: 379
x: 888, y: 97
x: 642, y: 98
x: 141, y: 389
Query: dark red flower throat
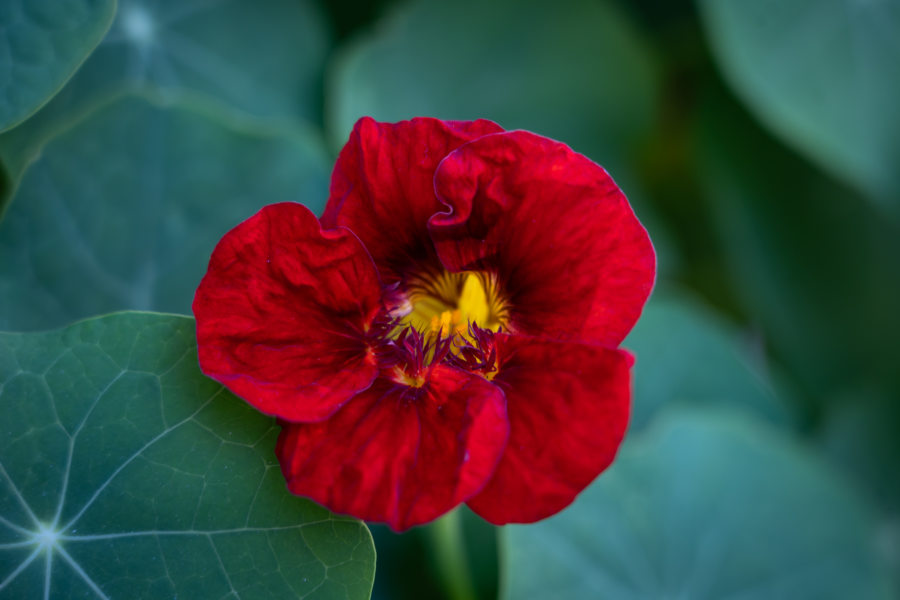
x: 443, y: 318
x: 447, y: 333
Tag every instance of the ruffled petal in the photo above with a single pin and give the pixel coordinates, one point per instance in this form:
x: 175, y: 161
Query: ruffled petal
x: 382, y: 187
x: 568, y: 405
x: 397, y: 454
x: 571, y: 257
x: 282, y: 314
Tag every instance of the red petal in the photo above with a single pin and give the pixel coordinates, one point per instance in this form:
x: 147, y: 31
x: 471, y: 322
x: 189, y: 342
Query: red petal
x: 400, y: 455
x: 570, y: 255
x: 382, y: 187
x: 282, y: 310
x: 568, y: 406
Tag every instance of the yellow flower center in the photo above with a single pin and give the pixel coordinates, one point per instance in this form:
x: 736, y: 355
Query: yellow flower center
x: 447, y: 303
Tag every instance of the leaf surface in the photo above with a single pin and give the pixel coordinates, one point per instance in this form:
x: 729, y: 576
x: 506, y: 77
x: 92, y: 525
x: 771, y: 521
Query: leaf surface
x: 126, y: 473
x: 44, y: 42
x: 257, y: 60
x: 574, y: 71
x: 123, y: 210
x: 686, y: 355
x: 812, y: 264
x: 703, y: 506
x: 822, y: 74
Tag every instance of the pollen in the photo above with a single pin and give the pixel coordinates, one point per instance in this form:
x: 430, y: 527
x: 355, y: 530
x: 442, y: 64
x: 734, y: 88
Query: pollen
x: 448, y: 323
x: 401, y: 376
x: 446, y: 304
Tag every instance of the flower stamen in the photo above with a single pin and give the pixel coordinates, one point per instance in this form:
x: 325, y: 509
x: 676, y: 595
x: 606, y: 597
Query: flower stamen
x: 447, y: 303
x: 475, y: 352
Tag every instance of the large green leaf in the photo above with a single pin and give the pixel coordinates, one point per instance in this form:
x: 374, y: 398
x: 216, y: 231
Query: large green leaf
x: 262, y: 59
x: 703, y: 506
x: 576, y: 71
x: 123, y: 210
x: 813, y: 265
x: 125, y: 473
x: 823, y: 75
x: 687, y: 355
x: 42, y: 42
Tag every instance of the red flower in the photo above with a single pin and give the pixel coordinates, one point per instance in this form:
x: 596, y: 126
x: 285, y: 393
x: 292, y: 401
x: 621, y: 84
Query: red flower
x: 447, y: 333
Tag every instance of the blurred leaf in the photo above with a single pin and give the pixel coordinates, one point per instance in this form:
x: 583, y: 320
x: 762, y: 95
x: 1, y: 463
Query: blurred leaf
x: 702, y: 506
x: 262, y: 59
x: 43, y: 42
x: 823, y: 75
x: 860, y: 435
x: 687, y: 355
x: 818, y: 269
x: 155, y: 481
x: 575, y: 71
x: 124, y: 209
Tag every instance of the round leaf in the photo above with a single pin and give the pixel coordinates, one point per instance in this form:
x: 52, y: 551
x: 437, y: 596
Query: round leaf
x: 123, y: 210
x: 823, y: 75
x: 704, y: 506
x: 125, y: 473
x: 686, y: 355
x: 261, y: 59
x: 575, y: 71
x: 43, y: 42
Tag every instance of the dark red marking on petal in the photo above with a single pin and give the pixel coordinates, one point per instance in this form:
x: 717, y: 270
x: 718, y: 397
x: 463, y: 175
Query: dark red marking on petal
x: 573, y: 261
x: 282, y: 314
x: 382, y: 187
x: 397, y: 454
x: 568, y: 405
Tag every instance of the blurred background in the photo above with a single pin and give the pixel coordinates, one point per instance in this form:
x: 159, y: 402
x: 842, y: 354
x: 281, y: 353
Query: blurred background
x: 759, y: 142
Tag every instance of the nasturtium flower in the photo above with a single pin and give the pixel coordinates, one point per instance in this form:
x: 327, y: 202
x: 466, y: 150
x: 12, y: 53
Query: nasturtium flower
x: 447, y: 332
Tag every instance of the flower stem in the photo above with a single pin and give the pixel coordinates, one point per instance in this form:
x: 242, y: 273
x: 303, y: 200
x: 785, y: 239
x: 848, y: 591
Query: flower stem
x: 449, y: 554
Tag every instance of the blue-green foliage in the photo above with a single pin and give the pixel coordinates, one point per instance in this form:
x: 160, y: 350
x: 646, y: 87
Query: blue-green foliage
x: 757, y: 141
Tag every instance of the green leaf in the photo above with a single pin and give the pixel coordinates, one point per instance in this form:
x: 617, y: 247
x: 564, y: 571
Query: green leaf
x: 703, y: 506
x: 822, y: 74
x: 810, y: 262
x: 125, y: 473
x: 859, y: 434
x: 259, y: 59
x: 44, y: 42
x: 575, y: 71
x: 123, y: 210
x: 687, y: 355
